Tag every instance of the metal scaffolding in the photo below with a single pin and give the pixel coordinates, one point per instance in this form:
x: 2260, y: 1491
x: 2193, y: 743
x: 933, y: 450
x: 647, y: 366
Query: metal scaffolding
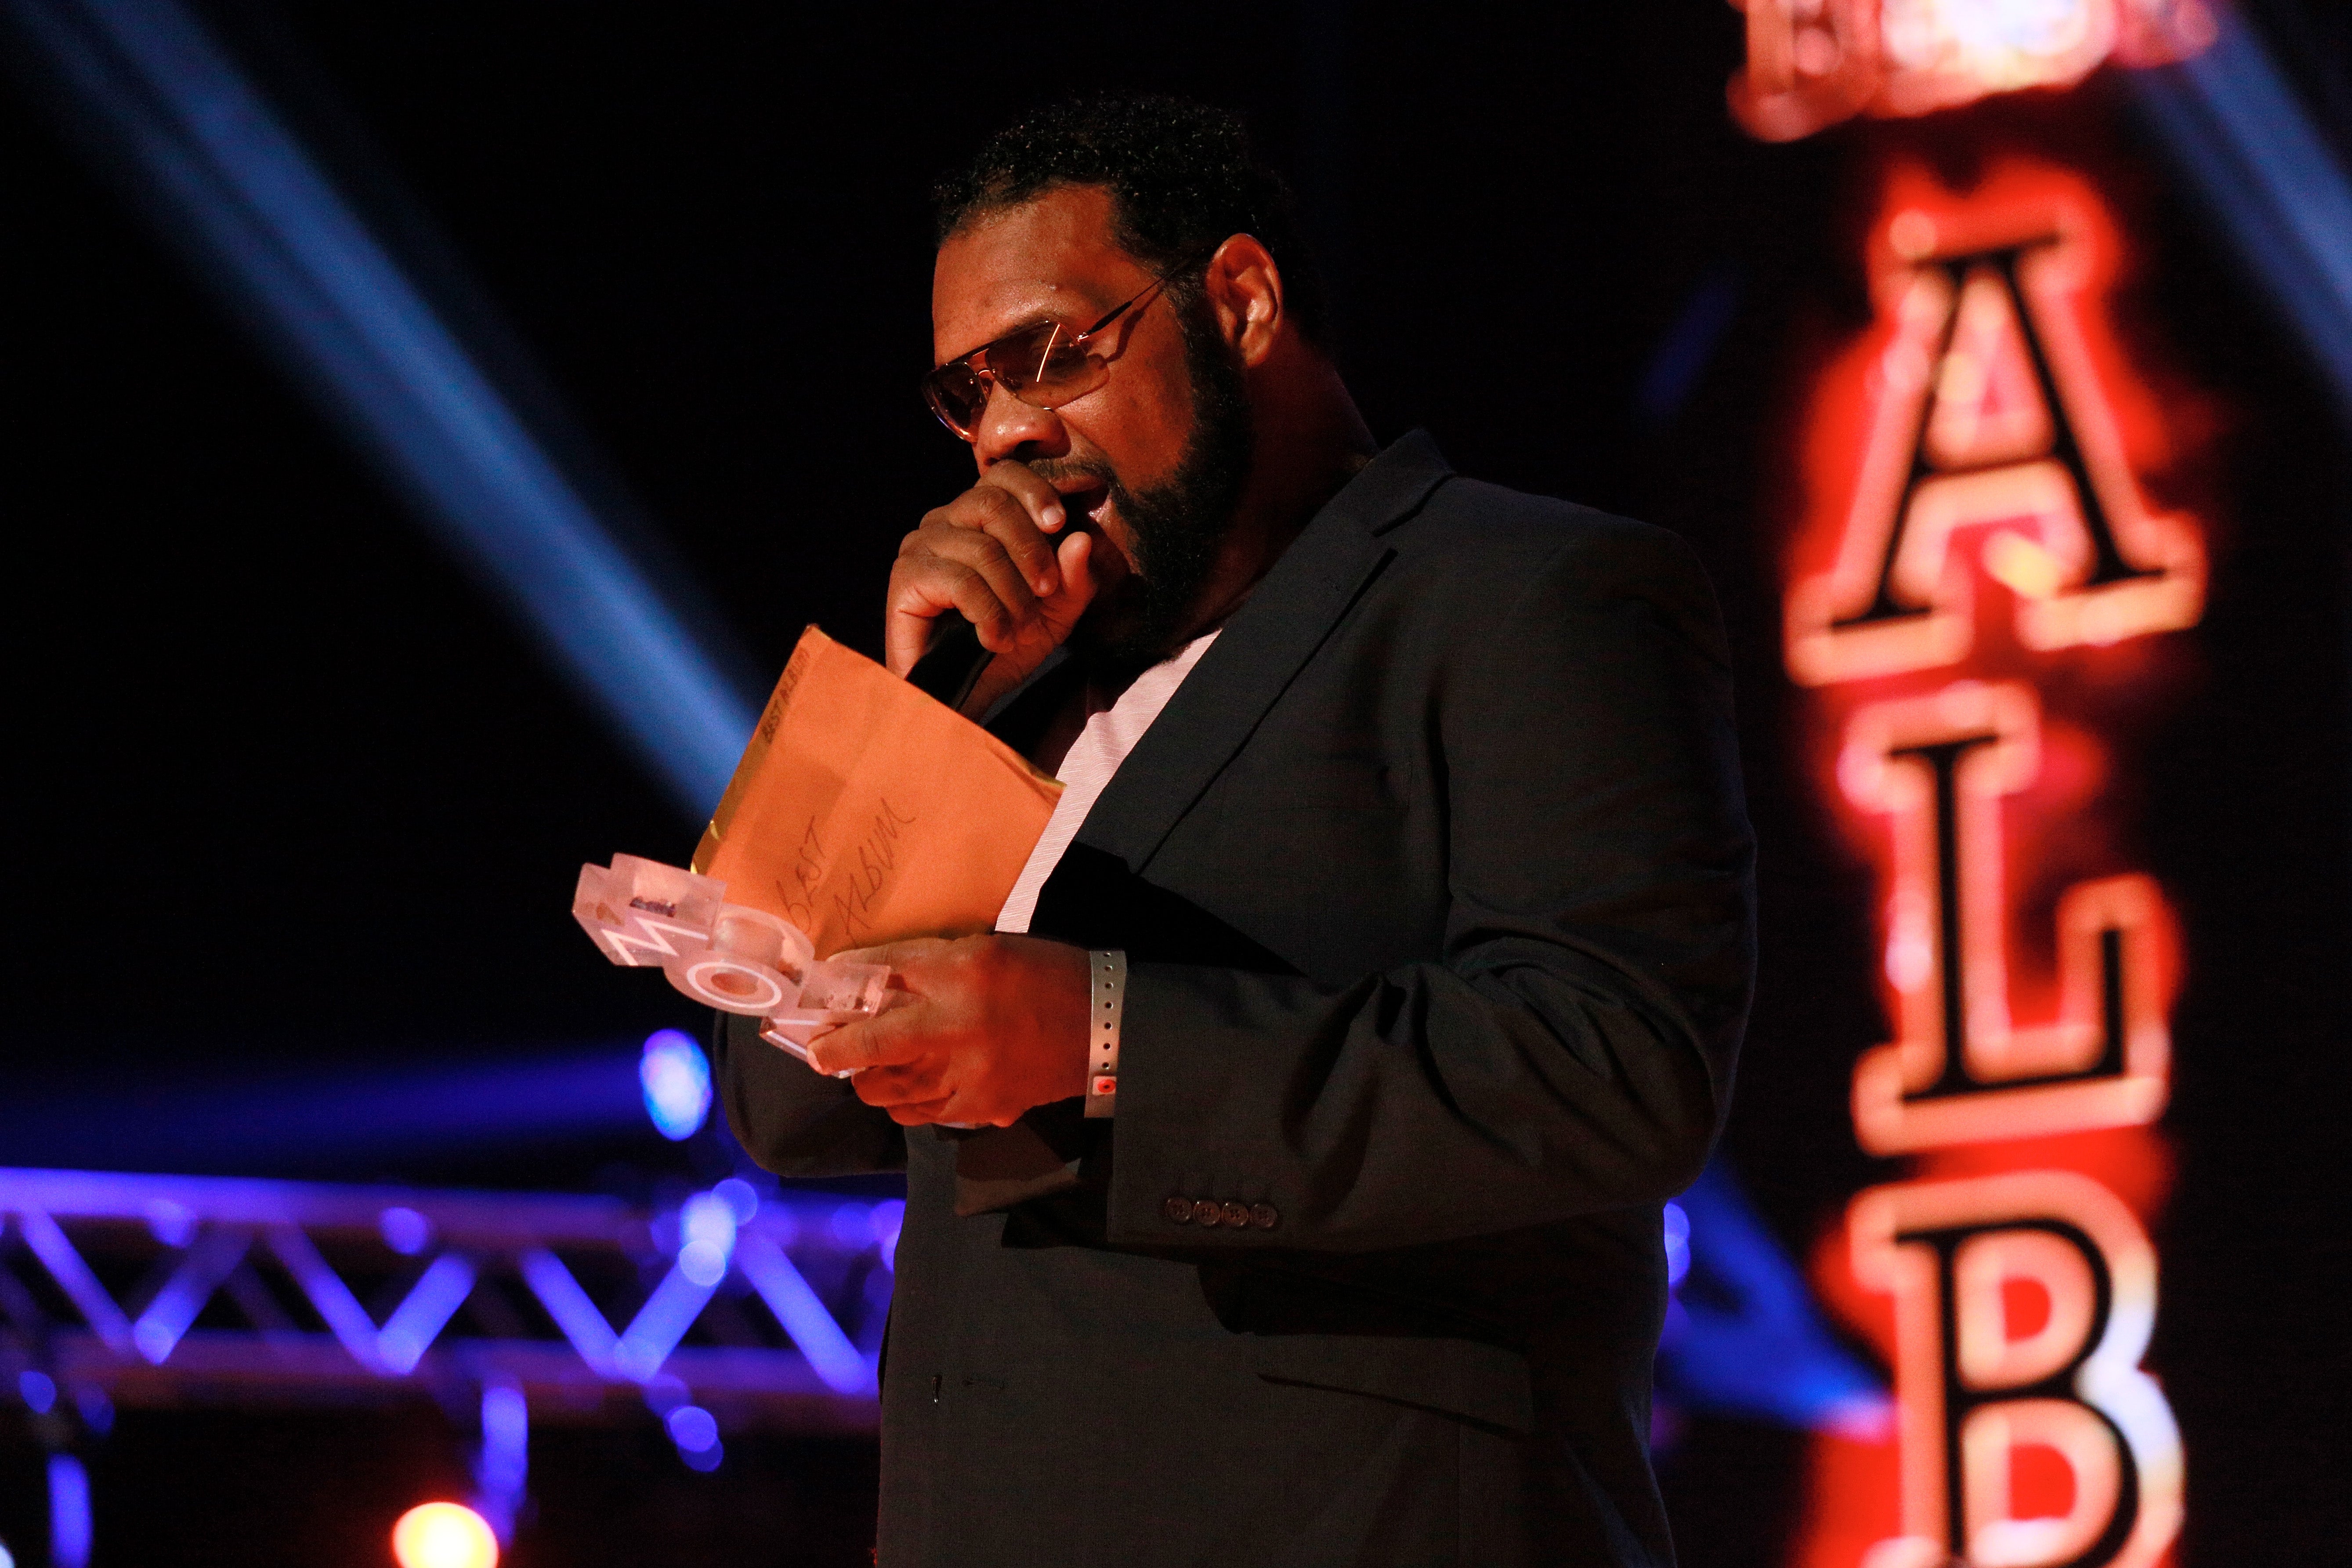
x: 733, y: 1310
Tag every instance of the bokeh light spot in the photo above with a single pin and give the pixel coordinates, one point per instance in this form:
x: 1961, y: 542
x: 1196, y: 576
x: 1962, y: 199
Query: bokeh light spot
x: 444, y: 1535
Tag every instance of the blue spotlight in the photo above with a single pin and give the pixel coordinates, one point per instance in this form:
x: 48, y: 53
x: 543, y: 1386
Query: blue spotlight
x: 677, y: 1083
x: 236, y: 187
x: 1752, y: 1343
x: 2231, y: 124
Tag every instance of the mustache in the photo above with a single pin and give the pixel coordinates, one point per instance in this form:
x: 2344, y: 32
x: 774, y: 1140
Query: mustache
x: 1055, y: 469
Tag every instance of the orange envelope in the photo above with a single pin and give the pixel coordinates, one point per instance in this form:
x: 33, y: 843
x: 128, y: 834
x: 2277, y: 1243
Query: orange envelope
x: 866, y: 812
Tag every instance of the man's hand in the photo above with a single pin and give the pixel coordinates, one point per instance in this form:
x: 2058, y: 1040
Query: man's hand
x: 991, y: 556
x: 987, y: 1027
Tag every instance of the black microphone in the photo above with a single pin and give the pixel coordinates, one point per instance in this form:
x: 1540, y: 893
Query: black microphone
x: 950, y: 667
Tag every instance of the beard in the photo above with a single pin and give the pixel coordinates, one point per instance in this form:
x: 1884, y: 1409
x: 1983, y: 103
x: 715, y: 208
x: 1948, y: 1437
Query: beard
x: 1181, y: 524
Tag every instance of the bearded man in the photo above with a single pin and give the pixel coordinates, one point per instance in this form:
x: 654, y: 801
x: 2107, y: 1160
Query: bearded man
x: 1284, y: 1176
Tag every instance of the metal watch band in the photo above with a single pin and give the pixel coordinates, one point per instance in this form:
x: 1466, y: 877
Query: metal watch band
x: 1108, y: 971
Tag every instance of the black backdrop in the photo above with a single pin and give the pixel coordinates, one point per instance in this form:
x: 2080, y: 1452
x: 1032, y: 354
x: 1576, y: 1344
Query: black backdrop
x: 287, y: 788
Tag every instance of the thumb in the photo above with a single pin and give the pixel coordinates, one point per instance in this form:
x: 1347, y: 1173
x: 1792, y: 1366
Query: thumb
x: 895, y: 955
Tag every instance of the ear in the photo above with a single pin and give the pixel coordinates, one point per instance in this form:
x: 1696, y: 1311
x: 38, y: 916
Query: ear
x: 1244, y: 287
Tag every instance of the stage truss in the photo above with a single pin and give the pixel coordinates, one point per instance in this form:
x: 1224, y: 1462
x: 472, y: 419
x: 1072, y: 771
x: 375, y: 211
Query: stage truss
x: 764, y: 1308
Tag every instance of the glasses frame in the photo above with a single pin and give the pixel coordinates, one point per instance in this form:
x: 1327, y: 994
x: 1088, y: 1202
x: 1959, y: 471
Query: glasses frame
x: 977, y: 361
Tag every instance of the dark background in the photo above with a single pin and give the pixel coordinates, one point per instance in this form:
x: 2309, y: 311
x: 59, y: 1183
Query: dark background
x: 287, y: 789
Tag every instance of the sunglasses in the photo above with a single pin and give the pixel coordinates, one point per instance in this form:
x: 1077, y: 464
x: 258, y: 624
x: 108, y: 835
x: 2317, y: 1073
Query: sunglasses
x: 1045, y: 365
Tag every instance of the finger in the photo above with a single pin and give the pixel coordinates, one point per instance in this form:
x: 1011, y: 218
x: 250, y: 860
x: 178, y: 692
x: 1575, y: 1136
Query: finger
x: 889, y: 1039
x: 1046, y: 512
x: 1057, y: 616
x: 919, y: 1115
x: 919, y: 592
x: 1006, y: 506
x: 895, y: 955
x: 923, y: 591
x: 989, y: 552
x: 886, y: 1087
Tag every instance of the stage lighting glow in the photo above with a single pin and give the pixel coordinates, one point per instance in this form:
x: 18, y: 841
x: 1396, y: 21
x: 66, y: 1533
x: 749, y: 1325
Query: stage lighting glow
x: 69, y: 1512
x: 1677, y: 1244
x: 889, y: 1216
x: 706, y: 1238
x: 741, y: 1198
x: 234, y: 186
x: 1990, y: 397
x: 804, y: 1316
x: 476, y: 1236
x: 1749, y: 1342
x: 1811, y: 65
x: 425, y: 1312
x: 1997, y: 513
x: 404, y: 1230
x: 2232, y: 122
x: 676, y: 1082
x: 7, y: 1558
x: 661, y: 1323
x: 444, y: 1535
x: 664, y: 1394
x: 171, y: 1223
x: 503, y: 1464
x: 694, y: 1430
x: 852, y: 1225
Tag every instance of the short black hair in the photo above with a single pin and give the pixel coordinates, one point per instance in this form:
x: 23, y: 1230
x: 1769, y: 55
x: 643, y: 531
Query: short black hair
x: 1183, y: 176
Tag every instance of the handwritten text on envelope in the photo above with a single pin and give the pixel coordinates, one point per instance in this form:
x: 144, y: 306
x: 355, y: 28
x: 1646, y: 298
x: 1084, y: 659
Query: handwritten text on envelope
x: 864, y: 812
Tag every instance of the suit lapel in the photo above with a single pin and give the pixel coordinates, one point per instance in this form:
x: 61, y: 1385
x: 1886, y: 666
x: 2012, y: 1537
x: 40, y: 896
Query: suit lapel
x: 1262, y: 650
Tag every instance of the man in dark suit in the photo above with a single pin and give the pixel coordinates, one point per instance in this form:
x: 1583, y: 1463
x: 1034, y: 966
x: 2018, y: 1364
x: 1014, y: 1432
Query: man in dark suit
x: 1432, y: 882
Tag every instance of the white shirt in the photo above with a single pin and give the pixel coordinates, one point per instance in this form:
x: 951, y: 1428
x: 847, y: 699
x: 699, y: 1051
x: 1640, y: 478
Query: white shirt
x: 1094, y: 757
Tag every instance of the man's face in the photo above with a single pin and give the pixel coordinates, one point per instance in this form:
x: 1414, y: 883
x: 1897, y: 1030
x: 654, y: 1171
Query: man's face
x: 1154, y: 461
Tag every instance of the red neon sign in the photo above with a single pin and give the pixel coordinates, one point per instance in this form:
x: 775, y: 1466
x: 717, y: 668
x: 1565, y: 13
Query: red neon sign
x: 1812, y: 63
x: 1989, y: 392
x: 1971, y: 589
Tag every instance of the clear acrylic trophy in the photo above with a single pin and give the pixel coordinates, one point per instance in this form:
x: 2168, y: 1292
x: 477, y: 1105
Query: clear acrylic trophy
x: 727, y: 956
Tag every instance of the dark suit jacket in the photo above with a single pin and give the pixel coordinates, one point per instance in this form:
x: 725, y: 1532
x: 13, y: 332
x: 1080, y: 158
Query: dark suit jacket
x: 1435, y: 880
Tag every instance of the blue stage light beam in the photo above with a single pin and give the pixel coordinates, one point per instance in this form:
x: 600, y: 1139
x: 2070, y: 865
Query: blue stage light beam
x: 1682, y: 356
x: 1752, y: 1342
x: 338, y: 1118
x: 2231, y: 124
x: 236, y: 189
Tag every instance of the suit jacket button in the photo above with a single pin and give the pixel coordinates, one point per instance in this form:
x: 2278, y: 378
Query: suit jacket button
x: 1237, y: 1215
x: 1178, y: 1210
x: 1207, y: 1212
x: 1266, y: 1217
